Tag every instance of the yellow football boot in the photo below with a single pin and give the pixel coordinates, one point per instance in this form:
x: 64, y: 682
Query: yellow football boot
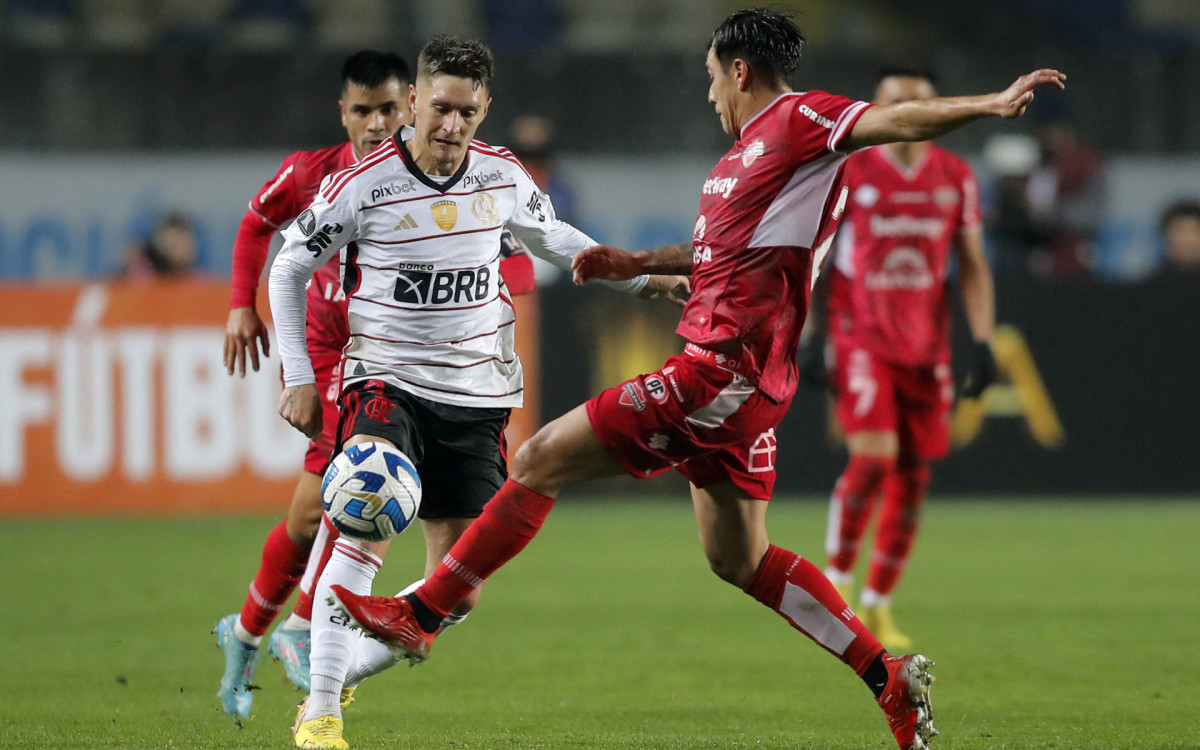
x: 878, y: 619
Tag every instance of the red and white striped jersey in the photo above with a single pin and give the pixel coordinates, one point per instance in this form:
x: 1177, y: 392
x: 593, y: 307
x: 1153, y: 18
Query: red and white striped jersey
x: 767, y: 215
x: 888, y: 289
x: 428, y: 309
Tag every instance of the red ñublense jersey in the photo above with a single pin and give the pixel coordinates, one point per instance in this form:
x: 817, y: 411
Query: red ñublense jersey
x: 767, y: 215
x: 888, y: 292
x: 279, y: 201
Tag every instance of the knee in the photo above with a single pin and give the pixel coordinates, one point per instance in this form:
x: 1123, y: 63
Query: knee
x: 732, y: 569
x: 535, y: 462
x: 303, y: 523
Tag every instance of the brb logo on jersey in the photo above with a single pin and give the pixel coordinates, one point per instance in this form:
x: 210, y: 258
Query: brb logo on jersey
x: 420, y: 287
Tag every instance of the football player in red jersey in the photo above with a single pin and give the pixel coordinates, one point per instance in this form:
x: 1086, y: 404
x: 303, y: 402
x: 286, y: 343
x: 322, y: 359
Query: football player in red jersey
x: 374, y: 104
x: 767, y: 216
x: 910, y: 206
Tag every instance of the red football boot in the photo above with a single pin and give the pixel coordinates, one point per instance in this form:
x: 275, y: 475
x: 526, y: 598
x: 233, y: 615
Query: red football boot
x: 387, y: 619
x: 905, y: 701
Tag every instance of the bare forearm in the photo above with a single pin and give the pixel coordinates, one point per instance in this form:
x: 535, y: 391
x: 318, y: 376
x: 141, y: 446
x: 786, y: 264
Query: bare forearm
x: 917, y: 120
x: 673, y: 260
x: 923, y: 119
x: 979, y: 300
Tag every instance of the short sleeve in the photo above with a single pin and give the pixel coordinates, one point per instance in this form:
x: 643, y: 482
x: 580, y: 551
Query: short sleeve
x: 275, y: 202
x: 820, y: 121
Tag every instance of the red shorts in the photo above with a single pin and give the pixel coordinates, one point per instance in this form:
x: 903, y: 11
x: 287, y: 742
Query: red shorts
x: 327, y: 367
x: 698, y: 414
x: 878, y: 396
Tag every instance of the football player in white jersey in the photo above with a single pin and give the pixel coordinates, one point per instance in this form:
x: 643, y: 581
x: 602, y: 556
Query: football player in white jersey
x: 430, y: 366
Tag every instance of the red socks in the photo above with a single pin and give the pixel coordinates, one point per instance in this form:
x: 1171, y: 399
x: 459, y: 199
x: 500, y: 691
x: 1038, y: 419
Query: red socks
x: 850, y: 508
x: 282, y: 565
x: 903, y: 496
x: 509, y: 521
x: 800, y: 592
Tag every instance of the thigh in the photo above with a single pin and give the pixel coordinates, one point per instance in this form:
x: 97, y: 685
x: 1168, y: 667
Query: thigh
x: 463, y: 463
x: 565, y: 451
x: 926, y: 402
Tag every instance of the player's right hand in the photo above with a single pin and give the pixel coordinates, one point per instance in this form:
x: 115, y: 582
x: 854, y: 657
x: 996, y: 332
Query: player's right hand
x: 300, y: 405
x: 606, y: 263
x: 981, y: 370
x: 674, y: 289
x: 244, y: 332
x: 1013, y: 100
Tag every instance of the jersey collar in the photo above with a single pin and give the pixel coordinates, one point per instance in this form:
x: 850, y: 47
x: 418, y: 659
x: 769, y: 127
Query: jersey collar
x: 405, y: 134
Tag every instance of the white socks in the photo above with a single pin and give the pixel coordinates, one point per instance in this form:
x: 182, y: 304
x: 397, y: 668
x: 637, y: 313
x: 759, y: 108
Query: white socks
x: 333, y: 642
x: 372, y: 657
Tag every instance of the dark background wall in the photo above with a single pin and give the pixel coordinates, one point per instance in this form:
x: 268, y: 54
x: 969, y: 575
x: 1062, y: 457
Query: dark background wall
x: 1121, y: 365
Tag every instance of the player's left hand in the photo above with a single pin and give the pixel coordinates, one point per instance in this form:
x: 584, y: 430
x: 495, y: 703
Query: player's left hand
x: 981, y: 370
x: 606, y: 263
x: 300, y: 405
x: 675, y: 289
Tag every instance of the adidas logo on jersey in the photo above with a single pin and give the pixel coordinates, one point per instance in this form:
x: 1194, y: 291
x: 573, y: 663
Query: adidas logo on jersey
x: 408, y: 222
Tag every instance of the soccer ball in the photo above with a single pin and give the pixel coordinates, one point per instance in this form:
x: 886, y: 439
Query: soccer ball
x: 371, y: 492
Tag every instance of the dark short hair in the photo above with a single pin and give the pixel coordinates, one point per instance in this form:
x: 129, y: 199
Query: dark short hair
x: 462, y: 58
x: 1184, y: 209
x: 768, y: 40
x: 370, y: 68
x: 907, y: 71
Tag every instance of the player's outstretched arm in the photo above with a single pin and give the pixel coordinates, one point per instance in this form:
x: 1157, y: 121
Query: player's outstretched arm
x: 244, y: 333
x: 923, y: 119
x: 614, y: 264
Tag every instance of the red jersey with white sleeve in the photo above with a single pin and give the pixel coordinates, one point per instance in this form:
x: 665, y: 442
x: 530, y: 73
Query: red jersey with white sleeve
x: 768, y: 212
x: 888, y: 292
x: 279, y: 201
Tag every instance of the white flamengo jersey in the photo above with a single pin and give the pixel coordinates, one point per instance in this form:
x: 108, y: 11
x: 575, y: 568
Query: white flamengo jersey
x: 428, y: 309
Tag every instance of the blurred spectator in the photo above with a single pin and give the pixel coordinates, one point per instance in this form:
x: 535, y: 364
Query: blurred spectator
x: 1011, y: 225
x: 169, y: 251
x: 531, y: 138
x: 1180, y: 227
x: 1066, y: 195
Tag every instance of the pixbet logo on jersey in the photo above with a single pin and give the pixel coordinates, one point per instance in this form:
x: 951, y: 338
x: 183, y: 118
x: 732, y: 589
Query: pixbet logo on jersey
x: 443, y: 287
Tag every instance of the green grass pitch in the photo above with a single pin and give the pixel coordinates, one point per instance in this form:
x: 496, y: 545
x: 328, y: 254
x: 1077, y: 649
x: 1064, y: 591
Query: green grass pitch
x: 1054, y: 624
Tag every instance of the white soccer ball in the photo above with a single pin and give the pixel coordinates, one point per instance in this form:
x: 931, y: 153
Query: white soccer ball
x: 371, y: 492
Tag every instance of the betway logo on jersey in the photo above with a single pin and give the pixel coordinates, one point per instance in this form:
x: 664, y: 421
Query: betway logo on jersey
x: 721, y: 186
x: 811, y: 114
x: 906, y: 226
x: 417, y: 287
x: 904, y: 268
x: 384, y: 191
x: 482, y: 180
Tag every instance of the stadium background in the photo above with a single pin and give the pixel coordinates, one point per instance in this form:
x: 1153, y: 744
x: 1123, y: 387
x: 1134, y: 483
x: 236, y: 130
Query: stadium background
x: 113, y: 112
